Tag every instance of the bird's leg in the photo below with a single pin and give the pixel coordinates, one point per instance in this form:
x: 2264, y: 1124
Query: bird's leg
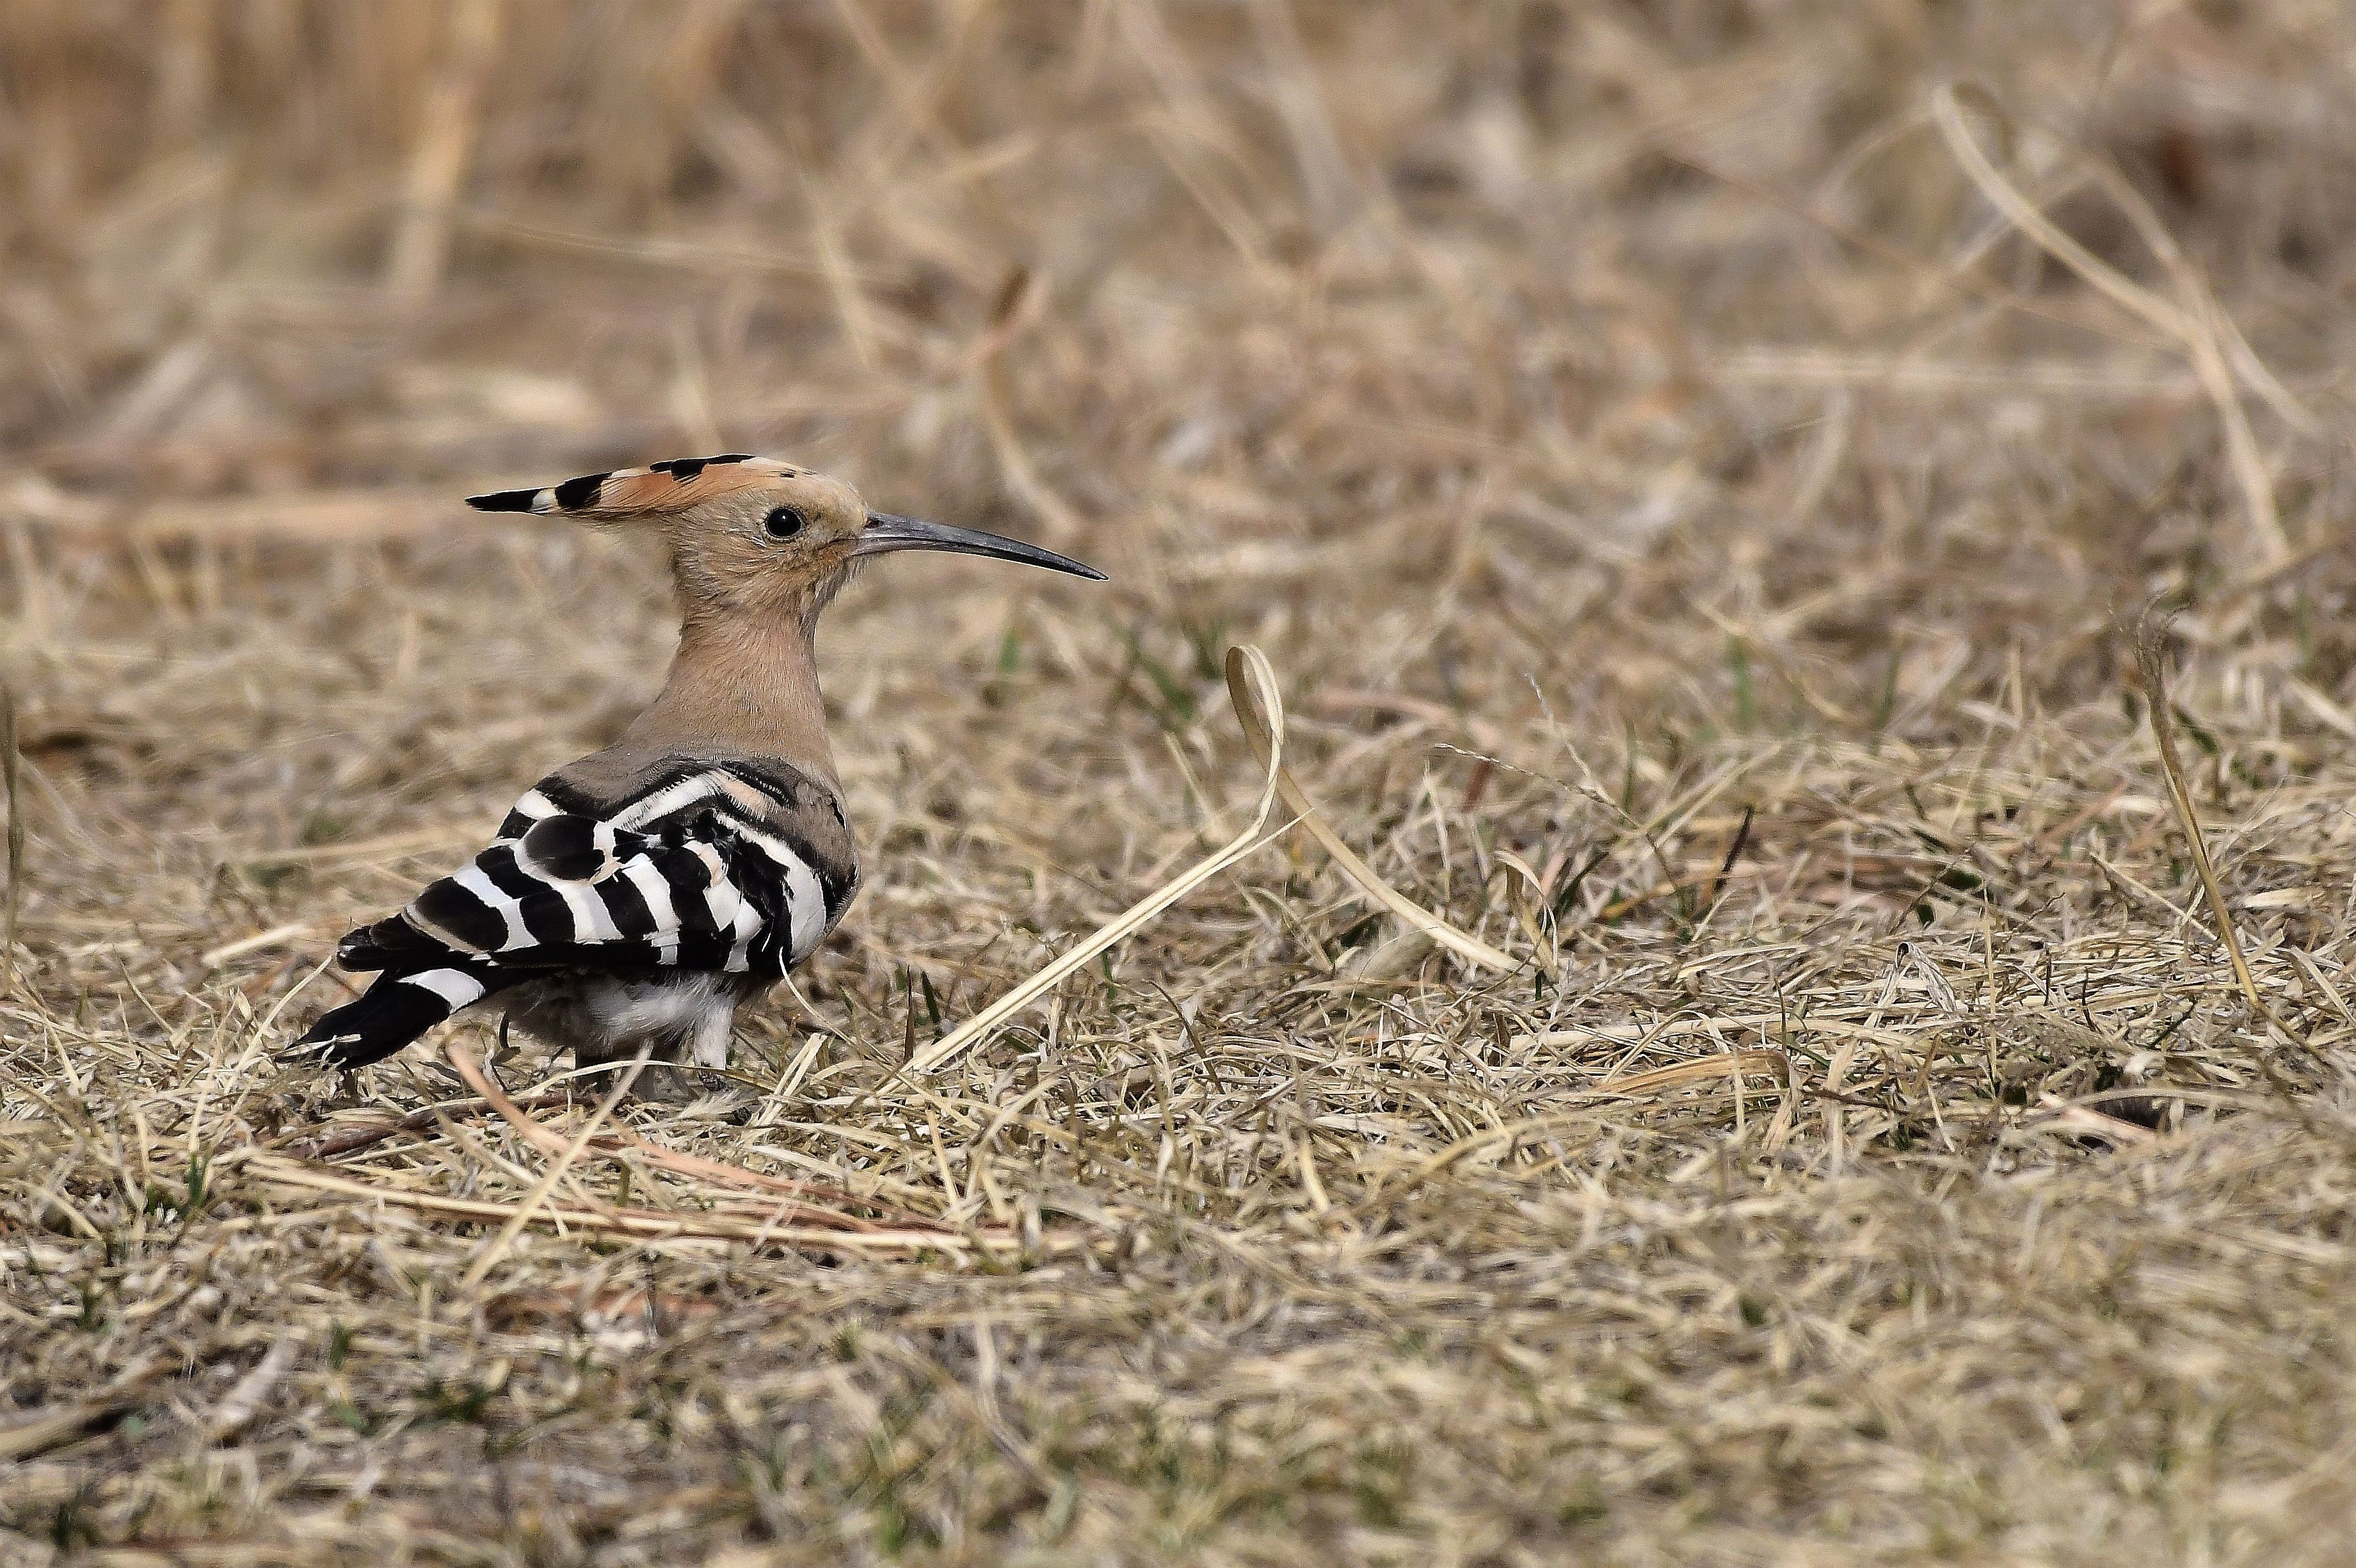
x: 710, y: 1037
x: 710, y: 1041
x: 662, y: 1080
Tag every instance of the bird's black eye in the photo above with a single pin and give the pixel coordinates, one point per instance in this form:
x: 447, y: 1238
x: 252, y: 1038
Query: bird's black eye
x: 784, y: 523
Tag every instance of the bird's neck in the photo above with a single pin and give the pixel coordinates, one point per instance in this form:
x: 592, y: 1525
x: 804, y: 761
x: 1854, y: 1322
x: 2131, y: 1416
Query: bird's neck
x: 743, y: 685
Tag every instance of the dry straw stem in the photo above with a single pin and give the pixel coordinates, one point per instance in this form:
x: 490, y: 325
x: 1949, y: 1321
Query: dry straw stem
x: 2151, y: 663
x: 549, y: 1141
x: 1260, y: 708
x: 2194, y: 319
x: 237, y: 1412
x: 1253, y: 682
x: 522, y: 1216
x: 1014, y: 309
x: 10, y: 764
x: 1262, y: 724
x: 1731, y: 1066
x: 447, y: 128
x: 66, y: 1420
x: 754, y: 1226
x: 324, y: 1144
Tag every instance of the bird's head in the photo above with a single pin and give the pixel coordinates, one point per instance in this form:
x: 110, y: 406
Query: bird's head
x: 753, y: 535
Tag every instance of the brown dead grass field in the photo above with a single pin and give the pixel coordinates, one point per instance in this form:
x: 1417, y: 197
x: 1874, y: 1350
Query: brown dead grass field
x: 1780, y: 1090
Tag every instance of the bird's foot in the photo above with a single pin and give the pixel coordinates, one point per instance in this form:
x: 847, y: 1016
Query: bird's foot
x: 700, y: 1094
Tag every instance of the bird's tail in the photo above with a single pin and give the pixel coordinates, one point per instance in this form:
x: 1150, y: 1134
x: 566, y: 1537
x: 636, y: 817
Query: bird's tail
x: 393, y: 1011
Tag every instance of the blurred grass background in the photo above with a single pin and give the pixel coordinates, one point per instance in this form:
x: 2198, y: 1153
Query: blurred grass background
x: 1696, y: 524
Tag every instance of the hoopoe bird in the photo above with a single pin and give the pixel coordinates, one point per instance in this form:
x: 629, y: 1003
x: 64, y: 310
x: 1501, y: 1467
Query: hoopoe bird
x: 633, y: 900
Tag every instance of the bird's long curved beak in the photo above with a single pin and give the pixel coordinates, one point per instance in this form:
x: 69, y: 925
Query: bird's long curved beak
x: 885, y: 533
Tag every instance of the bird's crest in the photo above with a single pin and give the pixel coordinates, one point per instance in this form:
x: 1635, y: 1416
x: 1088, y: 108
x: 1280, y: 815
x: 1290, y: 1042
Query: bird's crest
x: 619, y: 493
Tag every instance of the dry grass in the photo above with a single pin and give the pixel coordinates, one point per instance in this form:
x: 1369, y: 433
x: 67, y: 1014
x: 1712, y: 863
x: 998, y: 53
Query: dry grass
x: 1692, y: 481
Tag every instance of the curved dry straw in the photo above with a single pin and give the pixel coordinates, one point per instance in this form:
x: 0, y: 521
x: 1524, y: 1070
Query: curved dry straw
x: 2216, y: 349
x: 1264, y: 739
x: 1260, y: 708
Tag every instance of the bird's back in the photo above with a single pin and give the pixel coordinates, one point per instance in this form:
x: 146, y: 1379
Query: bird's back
x: 638, y: 866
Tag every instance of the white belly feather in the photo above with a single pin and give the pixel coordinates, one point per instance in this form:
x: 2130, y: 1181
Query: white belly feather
x: 700, y: 1006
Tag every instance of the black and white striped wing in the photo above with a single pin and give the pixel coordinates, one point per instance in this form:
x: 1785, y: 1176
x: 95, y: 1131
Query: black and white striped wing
x: 696, y: 888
